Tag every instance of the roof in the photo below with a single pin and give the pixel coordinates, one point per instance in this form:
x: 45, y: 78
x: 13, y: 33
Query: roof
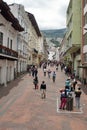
x: 6, y: 13
x: 34, y: 23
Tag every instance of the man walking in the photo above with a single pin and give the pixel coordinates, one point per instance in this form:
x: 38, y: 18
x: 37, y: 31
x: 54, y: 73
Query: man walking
x: 43, y: 88
x: 54, y: 76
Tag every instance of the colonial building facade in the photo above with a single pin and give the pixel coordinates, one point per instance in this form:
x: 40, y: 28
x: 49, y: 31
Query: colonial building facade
x: 73, y: 36
x: 34, y: 39
x: 84, y: 41
x: 73, y: 48
x: 9, y: 28
x: 22, y: 38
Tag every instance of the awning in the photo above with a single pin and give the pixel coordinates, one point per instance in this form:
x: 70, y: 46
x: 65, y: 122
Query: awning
x: 82, y: 66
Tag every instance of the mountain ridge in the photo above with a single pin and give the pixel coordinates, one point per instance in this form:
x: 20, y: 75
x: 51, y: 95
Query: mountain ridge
x: 54, y: 36
x: 54, y: 33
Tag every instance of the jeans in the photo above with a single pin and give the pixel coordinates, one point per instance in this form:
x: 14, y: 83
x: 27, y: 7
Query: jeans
x: 63, y: 103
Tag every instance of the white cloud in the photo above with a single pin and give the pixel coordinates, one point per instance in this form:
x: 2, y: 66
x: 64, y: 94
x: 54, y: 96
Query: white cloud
x: 48, y: 14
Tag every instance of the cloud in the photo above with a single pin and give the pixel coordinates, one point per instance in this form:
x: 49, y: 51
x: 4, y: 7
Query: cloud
x: 48, y: 14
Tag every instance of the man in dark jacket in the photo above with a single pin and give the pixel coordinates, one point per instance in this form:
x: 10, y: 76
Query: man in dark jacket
x: 43, y: 88
x: 35, y: 81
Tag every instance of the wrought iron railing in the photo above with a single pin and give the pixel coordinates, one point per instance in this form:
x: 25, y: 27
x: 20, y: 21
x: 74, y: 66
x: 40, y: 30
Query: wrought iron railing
x: 9, y: 52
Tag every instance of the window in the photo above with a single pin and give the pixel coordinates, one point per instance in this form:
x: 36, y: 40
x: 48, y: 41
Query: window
x: 10, y: 44
x: 85, y: 19
x: 85, y: 2
x: 85, y: 39
x: 1, y: 38
x: 85, y: 57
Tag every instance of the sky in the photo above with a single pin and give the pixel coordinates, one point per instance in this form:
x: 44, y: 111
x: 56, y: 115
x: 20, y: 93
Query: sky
x: 49, y: 14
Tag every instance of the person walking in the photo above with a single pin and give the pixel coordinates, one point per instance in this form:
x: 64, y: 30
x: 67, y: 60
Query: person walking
x: 44, y: 70
x: 74, y: 82
x: 53, y: 76
x: 77, y: 97
x: 43, y: 88
x: 35, y: 81
x: 49, y: 73
x: 35, y: 71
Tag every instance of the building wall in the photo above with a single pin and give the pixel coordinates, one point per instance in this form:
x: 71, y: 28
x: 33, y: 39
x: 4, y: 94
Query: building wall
x: 7, y: 66
x: 74, y: 39
x: 76, y: 21
x: 23, y: 37
x: 8, y: 32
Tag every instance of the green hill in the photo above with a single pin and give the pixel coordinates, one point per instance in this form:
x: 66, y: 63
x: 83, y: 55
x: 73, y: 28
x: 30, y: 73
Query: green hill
x: 56, y: 33
x: 53, y: 35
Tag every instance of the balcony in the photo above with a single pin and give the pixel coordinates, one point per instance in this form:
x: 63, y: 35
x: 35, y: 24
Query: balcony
x: 8, y: 53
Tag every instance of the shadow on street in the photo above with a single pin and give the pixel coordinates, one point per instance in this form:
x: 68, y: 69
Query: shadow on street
x: 4, y: 91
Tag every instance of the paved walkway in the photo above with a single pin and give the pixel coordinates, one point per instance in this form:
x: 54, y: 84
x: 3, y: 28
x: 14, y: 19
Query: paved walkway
x: 21, y: 106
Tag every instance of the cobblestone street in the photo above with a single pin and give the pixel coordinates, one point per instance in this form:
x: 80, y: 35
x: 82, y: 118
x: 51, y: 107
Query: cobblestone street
x: 21, y: 106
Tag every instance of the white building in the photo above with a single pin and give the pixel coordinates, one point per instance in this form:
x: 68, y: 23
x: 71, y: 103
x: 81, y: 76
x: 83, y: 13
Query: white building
x: 22, y: 38
x: 9, y: 28
x: 35, y: 40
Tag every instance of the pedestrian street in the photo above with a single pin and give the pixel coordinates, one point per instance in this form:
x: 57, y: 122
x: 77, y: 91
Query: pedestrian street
x: 22, y: 108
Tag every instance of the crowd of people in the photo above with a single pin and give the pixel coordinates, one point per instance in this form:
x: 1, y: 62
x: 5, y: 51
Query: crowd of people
x: 70, y: 91
x: 71, y: 84
x: 47, y: 72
